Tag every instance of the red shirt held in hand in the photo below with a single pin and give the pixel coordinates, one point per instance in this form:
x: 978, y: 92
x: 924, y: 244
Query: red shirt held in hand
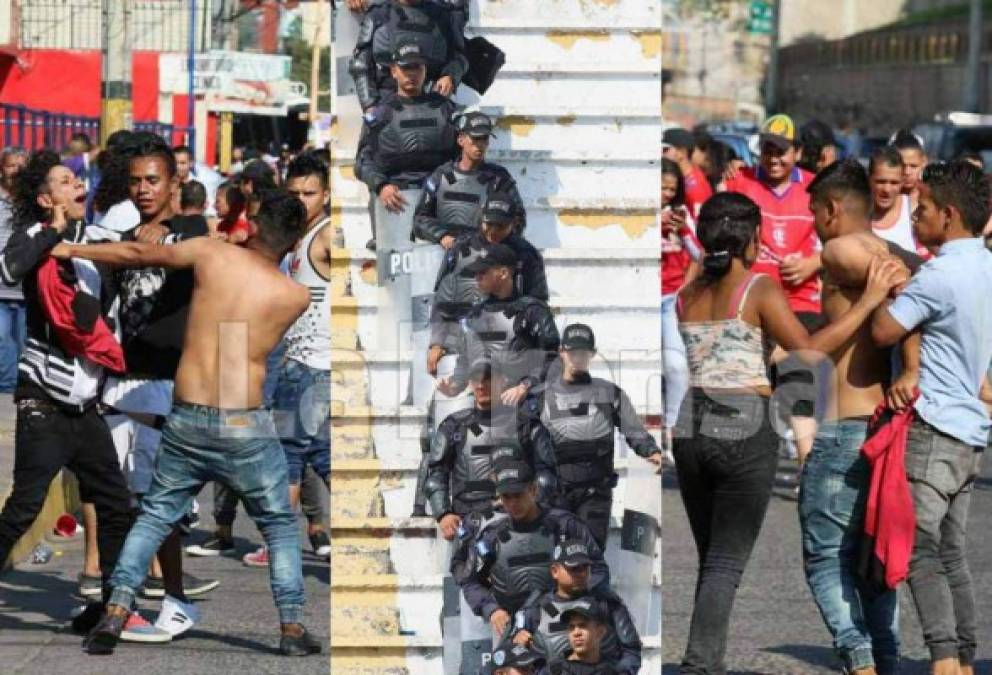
x: 786, y: 229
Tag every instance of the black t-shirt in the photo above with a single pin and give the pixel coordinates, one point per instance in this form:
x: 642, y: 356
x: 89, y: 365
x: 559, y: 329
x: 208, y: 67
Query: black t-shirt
x: 189, y: 226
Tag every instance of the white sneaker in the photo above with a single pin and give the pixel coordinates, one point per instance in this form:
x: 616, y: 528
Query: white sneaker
x: 176, y: 616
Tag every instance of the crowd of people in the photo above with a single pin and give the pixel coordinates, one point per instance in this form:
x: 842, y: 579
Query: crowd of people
x: 147, y: 372
x: 518, y: 462
x: 841, y: 310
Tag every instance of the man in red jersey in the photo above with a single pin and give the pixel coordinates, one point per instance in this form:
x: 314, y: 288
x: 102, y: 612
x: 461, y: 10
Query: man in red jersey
x: 677, y: 145
x: 790, y: 254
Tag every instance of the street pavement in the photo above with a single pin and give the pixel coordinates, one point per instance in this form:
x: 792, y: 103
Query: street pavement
x: 238, y: 632
x: 775, y: 628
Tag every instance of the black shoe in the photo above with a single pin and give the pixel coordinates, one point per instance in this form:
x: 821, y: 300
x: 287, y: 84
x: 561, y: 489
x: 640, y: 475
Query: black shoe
x: 370, y: 244
x: 87, y: 620
x: 215, y: 546
x: 304, y: 645
x: 155, y: 586
x: 193, y: 586
x: 321, y: 544
x: 106, y: 635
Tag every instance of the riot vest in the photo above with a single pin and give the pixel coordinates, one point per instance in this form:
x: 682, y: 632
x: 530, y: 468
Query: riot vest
x: 418, y: 135
x: 410, y: 23
x: 485, y: 433
x: 551, y: 637
x: 521, y: 565
x: 457, y: 291
x: 492, y: 333
x: 461, y: 198
x: 579, y: 418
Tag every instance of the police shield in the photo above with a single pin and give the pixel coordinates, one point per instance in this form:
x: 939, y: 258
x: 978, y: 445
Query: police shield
x: 638, y: 544
x: 394, y: 264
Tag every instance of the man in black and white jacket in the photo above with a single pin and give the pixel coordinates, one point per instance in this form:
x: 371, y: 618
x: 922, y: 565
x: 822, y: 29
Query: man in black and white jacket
x: 58, y: 424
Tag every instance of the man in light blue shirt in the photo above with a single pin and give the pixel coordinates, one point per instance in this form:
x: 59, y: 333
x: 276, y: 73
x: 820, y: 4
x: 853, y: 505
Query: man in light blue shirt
x: 949, y: 301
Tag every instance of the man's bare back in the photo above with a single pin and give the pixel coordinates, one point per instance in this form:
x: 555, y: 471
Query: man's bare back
x: 861, y: 371
x: 241, y: 307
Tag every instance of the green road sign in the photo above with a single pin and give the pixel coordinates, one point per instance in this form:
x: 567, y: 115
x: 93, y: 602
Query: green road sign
x: 760, y: 17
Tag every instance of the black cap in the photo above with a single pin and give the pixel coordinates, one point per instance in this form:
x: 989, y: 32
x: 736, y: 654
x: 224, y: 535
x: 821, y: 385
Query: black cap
x: 476, y: 124
x: 498, y: 209
x: 515, y: 656
x: 513, y: 477
x: 407, y: 53
x: 480, y: 368
x: 678, y: 137
x: 571, y: 553
x: 578, y: 336
x: 587, y: 607
x: 494, y: 255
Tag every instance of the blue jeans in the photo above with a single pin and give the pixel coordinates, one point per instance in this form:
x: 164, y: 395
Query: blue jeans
x: 832, y: 501
x: 11, y: 342
x: 302, y: 408
x: 240, y: 449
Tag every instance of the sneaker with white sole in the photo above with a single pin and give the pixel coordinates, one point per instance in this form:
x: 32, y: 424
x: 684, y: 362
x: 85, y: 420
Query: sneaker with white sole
x: 259, y: 558
x: 138, y: 629
x: 177, y: 616
x: 321, y: 544
x: 215, y: 546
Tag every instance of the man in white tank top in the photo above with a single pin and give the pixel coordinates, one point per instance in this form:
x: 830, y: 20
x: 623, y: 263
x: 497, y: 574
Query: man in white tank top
x: 892, y: 211
x: 302, y: 397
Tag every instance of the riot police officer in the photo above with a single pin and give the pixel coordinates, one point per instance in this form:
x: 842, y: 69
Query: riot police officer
x: 469, y: 443
x: 437, y: 28
x: 499, y: 563
x: 581, y: 413
x: 407, y: 135
x: 586, y: 629
x: 456, y: 193
x: 456, y: 289
x: 517, y: 332
x: 539, y: 624
x: 511, y: 659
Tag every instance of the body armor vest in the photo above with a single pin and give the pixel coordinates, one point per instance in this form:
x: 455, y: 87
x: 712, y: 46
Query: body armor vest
x: 472, y: 487
x: 417, y: 137
x: 461, y: 198
x: 410, y: 23
x: 522, y: 565
x: 458, y: 291
x: 491, y: 334
x: 579, y: 418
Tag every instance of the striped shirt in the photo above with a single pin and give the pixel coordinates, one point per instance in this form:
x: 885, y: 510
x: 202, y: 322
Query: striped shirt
x: 70, y: 380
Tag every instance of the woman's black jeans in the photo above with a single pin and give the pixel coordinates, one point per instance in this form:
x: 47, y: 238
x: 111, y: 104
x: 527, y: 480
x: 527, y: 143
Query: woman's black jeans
x: 726, y: 453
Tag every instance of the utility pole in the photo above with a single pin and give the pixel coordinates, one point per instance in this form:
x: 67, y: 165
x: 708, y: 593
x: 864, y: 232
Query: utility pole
x: 315, y: 67
x: 771, y: 82
x: 972, y: 83
x: 115, y: 104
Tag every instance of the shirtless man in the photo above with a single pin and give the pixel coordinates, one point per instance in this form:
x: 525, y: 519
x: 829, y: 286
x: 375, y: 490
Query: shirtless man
x: 218, y: 429
x: 834, y: 485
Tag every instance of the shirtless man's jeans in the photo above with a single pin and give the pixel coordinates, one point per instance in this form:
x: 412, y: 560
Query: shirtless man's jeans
x: 832, y: 501
x: 241, y: 449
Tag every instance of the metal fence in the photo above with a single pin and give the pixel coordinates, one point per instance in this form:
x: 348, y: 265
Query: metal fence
x: 173, y: 135
x: 32, y: 129
x: 156, y: 25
